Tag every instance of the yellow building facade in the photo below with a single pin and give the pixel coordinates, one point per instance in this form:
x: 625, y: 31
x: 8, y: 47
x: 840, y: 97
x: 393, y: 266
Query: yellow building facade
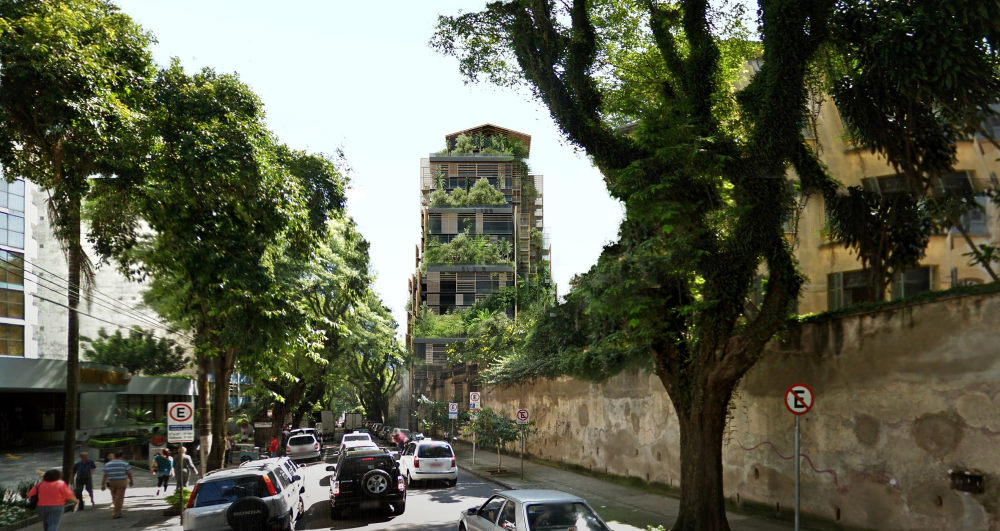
x: 833, y: 272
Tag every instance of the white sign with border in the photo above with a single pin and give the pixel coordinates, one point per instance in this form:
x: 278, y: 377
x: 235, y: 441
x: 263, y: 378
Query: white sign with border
x: 474, y: 399
x: 453, y: 410
x: 522, y: 416
x: 180, y: 422
x: 799, y: 399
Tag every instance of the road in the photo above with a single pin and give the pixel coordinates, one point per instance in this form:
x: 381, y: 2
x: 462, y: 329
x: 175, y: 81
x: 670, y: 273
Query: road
x: 431, y: 508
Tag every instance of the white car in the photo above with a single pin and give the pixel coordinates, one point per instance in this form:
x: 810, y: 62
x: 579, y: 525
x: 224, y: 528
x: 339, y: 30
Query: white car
x: 353, y: 445
x: 303, y: 447
x: 356, y: 436
x: 532, y: 510
x: 250, y: 494
x: 428, y: 460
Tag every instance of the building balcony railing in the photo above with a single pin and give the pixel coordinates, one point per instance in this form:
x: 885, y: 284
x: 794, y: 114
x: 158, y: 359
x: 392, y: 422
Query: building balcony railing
x: 458, y: 157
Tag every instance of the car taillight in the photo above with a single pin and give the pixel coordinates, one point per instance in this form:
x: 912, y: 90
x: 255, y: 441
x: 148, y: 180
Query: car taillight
x: 194, y: 491
x: 416, y: 462
x: 315, y: 446
x: 270, y: 486
x: 452, y: 461
x: 336, y: 488
x: 400, y: 484
x: 288, y: 449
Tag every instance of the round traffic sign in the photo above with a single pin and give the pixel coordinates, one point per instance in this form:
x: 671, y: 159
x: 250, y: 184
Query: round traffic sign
x: 473, y: 397
x: 799, y: 399
x: 452, y: 407
x: 180, y: 412
x: 522, y: 416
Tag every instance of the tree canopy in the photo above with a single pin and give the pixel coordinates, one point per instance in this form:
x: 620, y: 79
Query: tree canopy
x: 141, y: 352
x: 697, y: 124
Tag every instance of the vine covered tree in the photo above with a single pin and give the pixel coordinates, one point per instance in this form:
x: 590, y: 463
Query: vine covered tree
x: 699, y: 149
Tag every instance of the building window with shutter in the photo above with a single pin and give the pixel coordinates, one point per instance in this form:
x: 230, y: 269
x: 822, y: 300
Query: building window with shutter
x: 846, y: 288
x: 913, y: 281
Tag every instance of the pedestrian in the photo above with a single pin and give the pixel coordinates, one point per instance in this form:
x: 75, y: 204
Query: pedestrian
x: 273, y: 447
x: 230, y: 446
x: 83, y: 478
x: 183, y: 464
x: 117, y: 475
x: 53, y: 493
x: 163, y: 467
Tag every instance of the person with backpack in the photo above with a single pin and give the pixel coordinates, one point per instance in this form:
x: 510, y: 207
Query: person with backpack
x: 162, y: 466
x: 52, y: 494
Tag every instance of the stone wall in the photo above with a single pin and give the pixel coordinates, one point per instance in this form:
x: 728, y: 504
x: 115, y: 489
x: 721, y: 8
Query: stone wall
x: 903, y: 397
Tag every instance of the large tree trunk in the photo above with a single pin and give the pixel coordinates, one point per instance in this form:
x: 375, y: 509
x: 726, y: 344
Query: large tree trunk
x: 220, y: 411
x: 702, y: 506
x: 201, y: 401
x: 74, y: 258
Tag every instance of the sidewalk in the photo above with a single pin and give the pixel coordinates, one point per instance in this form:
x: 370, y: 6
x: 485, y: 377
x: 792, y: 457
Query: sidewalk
x: 142, y: 509
x: 623, y: 507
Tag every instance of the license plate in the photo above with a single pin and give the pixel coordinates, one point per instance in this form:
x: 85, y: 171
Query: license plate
x: 369, y: 504
x: 437, y: 465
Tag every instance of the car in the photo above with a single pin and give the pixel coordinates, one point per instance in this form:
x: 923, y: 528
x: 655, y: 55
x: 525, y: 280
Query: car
x: 303, y: 447
x: 375, y: 427
x: 246, y: 495
x: 308, y: 431
x: 532, y: 510
x: 366, y: 479
x: 354, y: 445
x: 428, y: 460
x: 356, y: 436
x: 287, y: 465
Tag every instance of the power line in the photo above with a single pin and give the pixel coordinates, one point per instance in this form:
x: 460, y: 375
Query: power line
x: 108, y: 302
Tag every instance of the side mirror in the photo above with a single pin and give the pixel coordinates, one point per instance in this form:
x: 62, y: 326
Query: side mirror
x: 472, y: 511
x: 331, y: 468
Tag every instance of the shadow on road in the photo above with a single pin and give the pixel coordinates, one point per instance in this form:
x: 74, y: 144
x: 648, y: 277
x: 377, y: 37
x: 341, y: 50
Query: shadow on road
x: 318, y: 517
x: 449, y: 494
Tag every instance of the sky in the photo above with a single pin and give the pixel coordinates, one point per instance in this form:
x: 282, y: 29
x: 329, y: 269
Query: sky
x: 360, y: 77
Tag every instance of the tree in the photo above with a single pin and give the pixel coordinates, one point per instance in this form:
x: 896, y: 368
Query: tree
x: 74, y: 74
x: 700, y: 153
x: 141, y: 352
x: 495, y: 429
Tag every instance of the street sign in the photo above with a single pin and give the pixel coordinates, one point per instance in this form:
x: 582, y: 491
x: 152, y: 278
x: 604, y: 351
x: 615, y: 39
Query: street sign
x: 799, y: 399
x: 474, y: 400
x: 180, y: 422
x: 522, y: 416
x: 453, y: 410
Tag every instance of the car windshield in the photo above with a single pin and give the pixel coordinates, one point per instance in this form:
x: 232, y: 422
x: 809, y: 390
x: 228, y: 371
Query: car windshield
x: 434, y: 450
x: 300, y: 440
x: 228, y: 490
x: 563, y: 516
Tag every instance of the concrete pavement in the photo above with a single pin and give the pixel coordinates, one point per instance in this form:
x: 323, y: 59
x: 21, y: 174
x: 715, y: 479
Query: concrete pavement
x: 615, y: 502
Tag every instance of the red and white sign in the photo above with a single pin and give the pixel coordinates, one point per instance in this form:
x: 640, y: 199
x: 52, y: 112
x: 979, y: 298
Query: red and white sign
x: 180, y: 422
x: 799, y: 399
x: 474, y: 400
x: 522, y: 416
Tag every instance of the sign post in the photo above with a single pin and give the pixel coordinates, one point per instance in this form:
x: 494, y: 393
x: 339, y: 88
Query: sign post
x: 180, y: 429
x: 452, y: 415
x: 798, y: 401
x: 473, y: 409
x: 522, y: 418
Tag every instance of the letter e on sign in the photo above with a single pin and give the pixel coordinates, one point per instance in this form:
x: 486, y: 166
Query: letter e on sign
x: 799, y: 399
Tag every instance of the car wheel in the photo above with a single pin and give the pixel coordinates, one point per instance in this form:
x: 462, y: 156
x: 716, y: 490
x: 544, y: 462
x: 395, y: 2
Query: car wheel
x: 376, y: 482
x: 461, y: 527
x: 410, y: 483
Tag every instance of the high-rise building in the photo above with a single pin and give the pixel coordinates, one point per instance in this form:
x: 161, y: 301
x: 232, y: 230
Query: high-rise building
x: 481, y: 218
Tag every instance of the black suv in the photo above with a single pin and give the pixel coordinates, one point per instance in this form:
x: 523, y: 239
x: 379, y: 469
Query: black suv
x: 366, y: 479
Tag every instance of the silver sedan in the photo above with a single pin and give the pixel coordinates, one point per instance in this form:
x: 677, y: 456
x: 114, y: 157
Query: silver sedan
x: 532, y: 510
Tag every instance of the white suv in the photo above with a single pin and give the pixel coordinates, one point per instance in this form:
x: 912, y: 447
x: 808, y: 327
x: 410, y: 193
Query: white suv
x: 428, y: 460
x: 250, y: 494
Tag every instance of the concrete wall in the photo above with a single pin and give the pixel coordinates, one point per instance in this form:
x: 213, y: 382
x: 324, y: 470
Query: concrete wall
x: 902, y: 397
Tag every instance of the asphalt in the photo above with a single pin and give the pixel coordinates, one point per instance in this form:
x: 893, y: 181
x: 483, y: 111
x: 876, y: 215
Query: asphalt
x: 613, y: 501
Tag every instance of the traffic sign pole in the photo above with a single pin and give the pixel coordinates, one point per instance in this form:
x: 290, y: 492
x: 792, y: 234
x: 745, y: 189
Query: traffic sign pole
x: 799, y: 399
x: 797, y: 459
x: 522, y: 452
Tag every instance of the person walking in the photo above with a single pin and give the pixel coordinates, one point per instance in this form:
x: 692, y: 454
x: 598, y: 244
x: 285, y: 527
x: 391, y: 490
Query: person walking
x: 117, y: 475
x: 83, y: 478
x: 184, y: 464
x: 53, y: 493
x: 230, y: 445
x: 163, y: 467
x: 272, y: 448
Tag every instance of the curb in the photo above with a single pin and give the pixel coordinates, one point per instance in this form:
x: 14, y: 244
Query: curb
x: 486, y: 477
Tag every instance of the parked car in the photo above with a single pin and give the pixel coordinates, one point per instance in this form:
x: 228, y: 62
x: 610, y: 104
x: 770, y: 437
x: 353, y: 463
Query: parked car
x: 374, y: 428
x: 303, y: 447
x: 428, y: 460
x: 366, y: 479
x: 246, y: 495
x: 384, y: 432
x: 532, y: 510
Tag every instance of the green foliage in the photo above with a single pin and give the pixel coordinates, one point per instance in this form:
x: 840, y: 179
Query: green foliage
x: 141, y: 352
x: 178, y: 498
x: 495, y: 430
x: 432, y: 416
x: 468, y: 249
x: 430, y: 324
x: 486, y: 145
x: 481, y: 193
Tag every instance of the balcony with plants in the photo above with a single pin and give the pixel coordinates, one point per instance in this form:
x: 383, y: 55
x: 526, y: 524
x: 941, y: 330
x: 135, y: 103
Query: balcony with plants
x: 468, y: 249
x: 482, y: 145
x: 482, y: 193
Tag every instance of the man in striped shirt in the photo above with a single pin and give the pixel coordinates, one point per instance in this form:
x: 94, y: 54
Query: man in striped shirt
x: 116, y: 472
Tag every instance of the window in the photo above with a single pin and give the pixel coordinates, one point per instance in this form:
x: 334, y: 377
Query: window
x: 12, y: 195
x: 11, y: 269
x: 11, y: 303
x: 888, y: 185
x: 435, y: 450
x: 11, y: 340
x: 11, y: 230
x: 508, y: 516
x: 497, y: 224
x: 227, y: 490
x: 434, y: 223
x: 954, y: 184
x: 491, y: 509
x: 974, y: 220
x: 467, y: 223
x: 847, y: 288
x: 913, y: 281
